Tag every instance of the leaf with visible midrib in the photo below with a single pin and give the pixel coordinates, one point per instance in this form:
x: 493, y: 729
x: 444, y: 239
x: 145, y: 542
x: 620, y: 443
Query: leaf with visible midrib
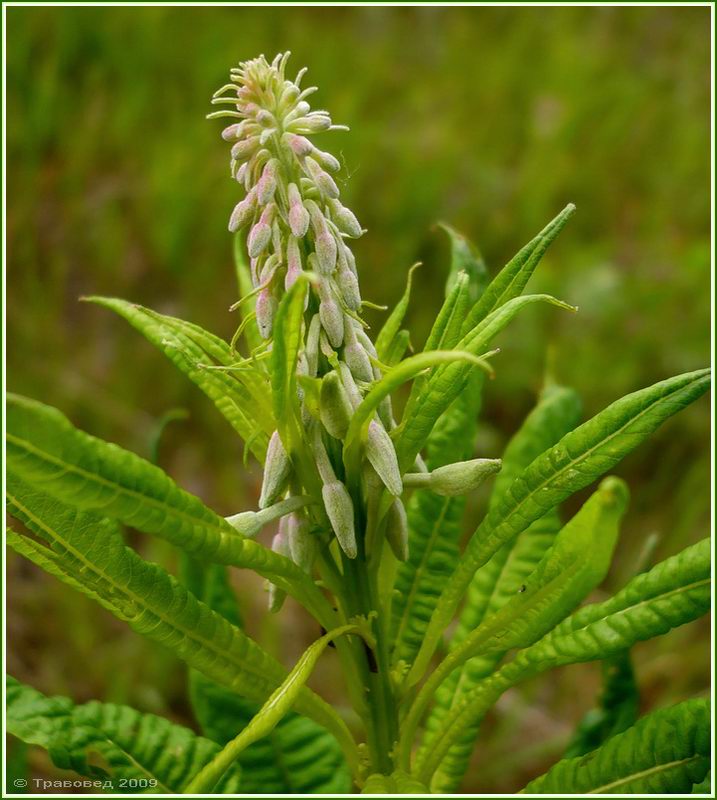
x: 133, y: 745
x: 666, y: 752
x: 574, y: 462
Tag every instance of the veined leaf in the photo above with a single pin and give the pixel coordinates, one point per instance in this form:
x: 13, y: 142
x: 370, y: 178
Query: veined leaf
x: 666, y: 752
x: 151, y: 601
x: 434, y: 527
x: 672, y: 593
x: 575, y: 564
x: 241, y: 395
x: 465, y: 257
x: 132, y: 745
x: 44, y: 449
x: 449, y: 381
x: 275, y: 708
x: 512, y: 279
x: 574, y: 462
x: 397, y: 783
x: 557, y: 412
x: 390, y: 330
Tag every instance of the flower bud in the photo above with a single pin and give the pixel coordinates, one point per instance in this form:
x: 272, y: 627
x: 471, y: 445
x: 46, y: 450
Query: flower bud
x: 326, y: 160
x: 349, y: 383
x: 356, y: 356
x: 455, y: 479
x: 265, y: 309
x: 266, y: 186
x: 312, y: 124
x: 397, y: 530
x: 340, y: 511
x: 335, y: 407
x: 324, y: 182
x: 243, y: 212
x: 332, y: 318
x: 260, y: 234
x: 346, y: 219
x: 298, y: 215
x: 302, y: 544
x: 244, y: 148
x: 299, y: 145
x: 267, y: 271
x: 248, y: 523
x: 349, y: 288
x: 325, y: 252
x: 293, y: 262
x: 280, y: 545
x: 382, y: 456
x: 277, y: 472
x: 312, y: 345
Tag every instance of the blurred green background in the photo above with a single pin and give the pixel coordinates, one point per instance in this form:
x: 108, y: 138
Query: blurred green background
x: 491, y: 119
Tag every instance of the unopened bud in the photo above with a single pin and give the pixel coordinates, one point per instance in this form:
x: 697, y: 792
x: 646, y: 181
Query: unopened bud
x: 346, y: 219
x: 243, y: 212
x: 280, y: 545
x: 266, y: 186
x: 302, y: 544
x: 350, y: 385
x: 335, y: 408
x: 356, y: 356
x: 298, y: 215
x: 325, y: 252
x: 293, y: 262
x: 245, y: 148
x: 311, y: 124
x: 277, y: 472
x: 454, y: 479
x: 312, y: 345
x: 324, y: 182
x: 267, y: 271
x: 340, y: 511
x: 260, y: 234
x: 349, y: 288
x: 397, y: 530
x: 382, y: 456
x: 299, y: 145
x: 265, y: 309
x: 326, y: 160
x: 332, y: 318
x: 248, y: 523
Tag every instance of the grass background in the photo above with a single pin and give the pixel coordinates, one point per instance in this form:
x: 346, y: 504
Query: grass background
x: 491, y: 119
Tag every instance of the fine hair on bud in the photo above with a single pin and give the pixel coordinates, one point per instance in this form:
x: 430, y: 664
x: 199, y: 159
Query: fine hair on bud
x: 277, y: 472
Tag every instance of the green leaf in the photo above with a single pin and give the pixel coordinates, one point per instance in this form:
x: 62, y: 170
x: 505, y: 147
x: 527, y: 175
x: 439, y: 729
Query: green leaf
x: 618, y: 709
x: 241, y: 395
x: 449, y: 381
x: 397, y: 783
x: 275, y: 708
x: 85, y: 553
x: 434, y: 527
x: 131, y: 745
x: 666, y: 752
x: 556, y: 413
x: 465, y: 257
x: 512, y: 279
x: 574, y: 462
x: 672, y: 593
x: 44, y: 449
x: 390, y: 330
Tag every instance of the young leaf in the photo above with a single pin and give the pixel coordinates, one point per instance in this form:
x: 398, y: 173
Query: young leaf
x: 397, y: 783
x: 512, y: 279
x: 672, y: 593
x: 241, y: 395
x: 574, y: 462
x: 268, y: 716
x: 465, y: 257
x: 152, y: 602
x: 666, y: 752
x: 390, y: 330
x: 134, y: 746
x: 44, y: 449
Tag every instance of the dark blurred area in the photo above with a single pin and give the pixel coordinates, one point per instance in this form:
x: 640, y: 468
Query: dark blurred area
x: 490, y: 119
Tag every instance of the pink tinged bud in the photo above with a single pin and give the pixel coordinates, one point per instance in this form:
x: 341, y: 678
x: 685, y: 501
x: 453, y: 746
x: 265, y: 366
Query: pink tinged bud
x: 327, y: 161
x: 293, y: 262
x: 382, y: 456
x: 302, y: 544
x: 397, y: 530
x: 298, y: 215
x: 267, y: 183
x: 332, y: 319
x: 326, y: 251
x: 243, y: 212
x: 340, y: 511
x: 241, y: 173
x: 289, y: 94
x: 265, y: 118
x: 349, y: 288
x: 312, y: 124
x: 269, y: 269
x: 260, y: 234
x: 335, y: 408
x: 245, y: 148
x: 232, y: 132
x: 265, y: 309
x: 280, y: 545
x: 346, y: 220
x: 277, y: 472
x: 299, y: 145
x: 324, y: 182
x: 254, y: 269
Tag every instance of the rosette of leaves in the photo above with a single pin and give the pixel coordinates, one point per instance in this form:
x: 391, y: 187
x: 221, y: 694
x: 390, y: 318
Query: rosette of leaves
x: 368, y: 509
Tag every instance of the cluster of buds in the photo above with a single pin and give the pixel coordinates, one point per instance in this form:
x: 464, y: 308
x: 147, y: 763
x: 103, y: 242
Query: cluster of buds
x: 295, y: 222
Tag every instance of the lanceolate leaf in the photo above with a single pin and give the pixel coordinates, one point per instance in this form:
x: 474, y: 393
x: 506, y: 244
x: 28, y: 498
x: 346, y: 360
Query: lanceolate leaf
x: 512, y: 279
x: 465, y: 257
x: 578, y: 459
x: 666, y: 752
x: 672, y: 593
x: 557, y: 412
x: 390, y: 330
x: 152, y: 602
x: 134, y: 746
x: 44, y: 449
x: 241, y: 395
